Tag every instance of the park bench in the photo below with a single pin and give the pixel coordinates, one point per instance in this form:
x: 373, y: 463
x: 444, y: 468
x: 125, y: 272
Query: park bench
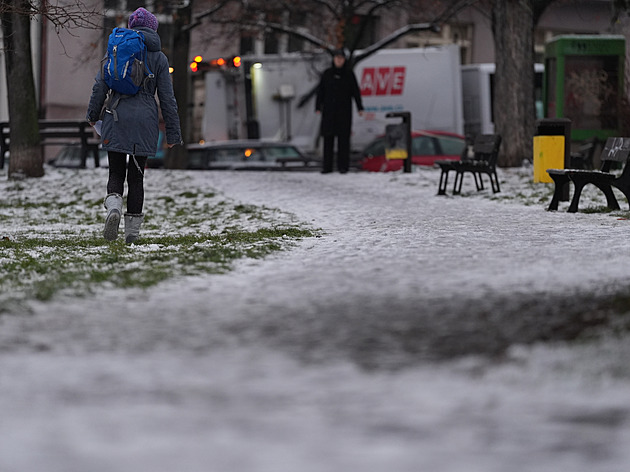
x: 615, y: 152
x: 483, y: 161
x: 60, y: 133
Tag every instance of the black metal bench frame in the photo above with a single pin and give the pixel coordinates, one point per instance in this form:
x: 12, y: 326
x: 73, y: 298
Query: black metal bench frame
x: 616, y: 150
x: 59, y: 133
x: 483, y: 161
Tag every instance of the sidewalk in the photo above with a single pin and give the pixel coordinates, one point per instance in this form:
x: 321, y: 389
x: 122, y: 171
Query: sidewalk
x: 398, y: 340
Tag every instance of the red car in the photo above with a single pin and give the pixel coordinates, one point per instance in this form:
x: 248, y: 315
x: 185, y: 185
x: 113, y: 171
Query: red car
x: 426, y: 148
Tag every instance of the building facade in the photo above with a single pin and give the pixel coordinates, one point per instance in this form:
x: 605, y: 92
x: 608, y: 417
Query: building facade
x: 67, y: 61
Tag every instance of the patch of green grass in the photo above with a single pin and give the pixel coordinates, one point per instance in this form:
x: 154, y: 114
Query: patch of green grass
x: 41, y: 267
x: 57, y: 246
x: 596, y: 209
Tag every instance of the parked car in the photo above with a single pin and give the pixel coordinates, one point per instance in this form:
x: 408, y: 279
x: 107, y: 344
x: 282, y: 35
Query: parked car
x: 70, y: 156
x: 248, y: 155
x: 157, y: 161
x: 426, y: 148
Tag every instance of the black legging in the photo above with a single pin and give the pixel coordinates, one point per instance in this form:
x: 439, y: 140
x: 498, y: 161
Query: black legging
x: 134, y: 171
x: 343, y: 153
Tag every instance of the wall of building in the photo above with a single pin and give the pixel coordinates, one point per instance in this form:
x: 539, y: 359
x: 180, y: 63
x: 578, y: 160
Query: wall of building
x: 585, y: 17
x: 70, y: 64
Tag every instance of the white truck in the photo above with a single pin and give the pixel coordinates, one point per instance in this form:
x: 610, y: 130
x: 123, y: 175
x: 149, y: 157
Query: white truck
x: 478, y: 94
x: 265, y: 97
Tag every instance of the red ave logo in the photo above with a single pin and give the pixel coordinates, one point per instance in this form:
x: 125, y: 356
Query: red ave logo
x: 383, y: 81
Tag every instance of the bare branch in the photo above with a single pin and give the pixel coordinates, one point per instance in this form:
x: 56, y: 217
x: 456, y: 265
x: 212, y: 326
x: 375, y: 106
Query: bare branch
x: 399, y: 33
x: 330, y: 6
x: 375, y: 6
x: 76, y: 14
x: 300, y: 34
x: 211, y: 11
x: 453, y: 9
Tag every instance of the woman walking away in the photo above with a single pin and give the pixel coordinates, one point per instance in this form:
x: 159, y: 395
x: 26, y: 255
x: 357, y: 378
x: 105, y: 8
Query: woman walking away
x: 130, y: 125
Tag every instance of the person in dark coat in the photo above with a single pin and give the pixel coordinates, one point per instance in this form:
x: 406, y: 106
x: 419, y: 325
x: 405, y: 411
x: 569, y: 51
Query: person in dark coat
x: 130, y: 127
x: 337, y: 88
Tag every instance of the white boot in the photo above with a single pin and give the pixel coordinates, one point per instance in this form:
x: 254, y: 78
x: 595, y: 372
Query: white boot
x: 132, y: 226
x: 113, y: 205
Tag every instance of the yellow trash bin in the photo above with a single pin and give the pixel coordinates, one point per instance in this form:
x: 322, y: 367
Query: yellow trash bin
x: 396, y: 137
x: 548, y: 154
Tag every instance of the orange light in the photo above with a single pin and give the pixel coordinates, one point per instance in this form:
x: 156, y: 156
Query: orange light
x: 237, y: 61
x: 249, y: 152
x: 198, y: 59
x: 194, y: 66
x: 220, y: 61
x: 170, y: 70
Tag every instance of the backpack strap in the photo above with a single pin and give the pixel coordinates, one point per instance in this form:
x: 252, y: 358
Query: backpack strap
x: 108, y: 99
x: 111, y: 103
x: 149, y: 74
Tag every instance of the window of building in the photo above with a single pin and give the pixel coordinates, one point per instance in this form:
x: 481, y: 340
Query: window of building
x: 369, y: 30
x: 460, y: 34
x: 275, y: 42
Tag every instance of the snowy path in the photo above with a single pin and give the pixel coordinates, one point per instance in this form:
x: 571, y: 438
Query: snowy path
x: 322, y: 358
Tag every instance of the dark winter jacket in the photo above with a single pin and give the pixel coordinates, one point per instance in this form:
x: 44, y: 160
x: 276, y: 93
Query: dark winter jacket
x: 136, y: 129
x: 337, y: 88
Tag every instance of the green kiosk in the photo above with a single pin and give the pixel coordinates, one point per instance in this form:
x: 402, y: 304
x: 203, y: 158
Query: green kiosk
x: 582, y: 97
x: 584, y: 82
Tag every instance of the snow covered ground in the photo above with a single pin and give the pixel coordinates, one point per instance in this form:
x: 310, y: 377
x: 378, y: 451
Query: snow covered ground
x: 407, y: 337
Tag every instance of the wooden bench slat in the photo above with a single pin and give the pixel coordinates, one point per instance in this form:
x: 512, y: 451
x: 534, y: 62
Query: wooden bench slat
x: 51, y: 132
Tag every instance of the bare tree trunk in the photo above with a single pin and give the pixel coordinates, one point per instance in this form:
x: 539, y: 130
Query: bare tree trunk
x: 621, y: 25
x: 26, y: 158
x: 176, y: 157
x: 514, y: 112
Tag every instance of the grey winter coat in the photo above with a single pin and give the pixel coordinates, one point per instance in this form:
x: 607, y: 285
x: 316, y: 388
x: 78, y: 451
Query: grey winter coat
x: 133, y: 127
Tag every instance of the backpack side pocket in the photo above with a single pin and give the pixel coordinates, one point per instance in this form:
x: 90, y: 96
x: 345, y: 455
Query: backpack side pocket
x: 137, y: 72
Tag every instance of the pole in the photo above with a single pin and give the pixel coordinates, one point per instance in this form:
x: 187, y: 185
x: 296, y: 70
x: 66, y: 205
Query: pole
x: 406, y: 120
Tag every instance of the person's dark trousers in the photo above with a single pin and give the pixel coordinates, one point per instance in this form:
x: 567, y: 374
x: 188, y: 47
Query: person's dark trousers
x: 343, y: 153
x: 134, y: 172
x: 329, y: 153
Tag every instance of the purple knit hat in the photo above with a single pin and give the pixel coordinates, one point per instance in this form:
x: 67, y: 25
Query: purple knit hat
x: 142, y: 17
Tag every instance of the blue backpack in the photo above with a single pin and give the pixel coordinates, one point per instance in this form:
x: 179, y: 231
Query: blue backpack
x: 125, y: 62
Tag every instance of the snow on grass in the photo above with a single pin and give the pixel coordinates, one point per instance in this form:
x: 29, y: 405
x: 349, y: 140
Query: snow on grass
x: 51, y: 234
